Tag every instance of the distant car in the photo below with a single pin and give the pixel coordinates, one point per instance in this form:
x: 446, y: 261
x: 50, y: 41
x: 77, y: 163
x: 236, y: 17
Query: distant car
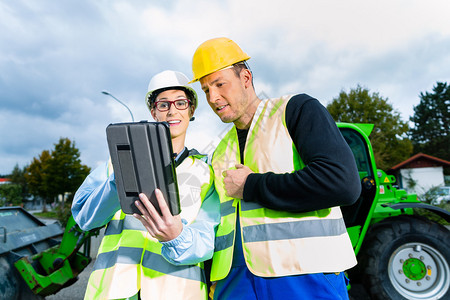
x: 442, y: 195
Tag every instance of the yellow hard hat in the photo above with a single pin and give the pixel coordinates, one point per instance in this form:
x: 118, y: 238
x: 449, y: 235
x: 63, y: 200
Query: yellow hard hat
x: 214, y: 55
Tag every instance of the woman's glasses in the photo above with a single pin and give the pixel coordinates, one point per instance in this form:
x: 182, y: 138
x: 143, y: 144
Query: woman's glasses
x: 164, y: 105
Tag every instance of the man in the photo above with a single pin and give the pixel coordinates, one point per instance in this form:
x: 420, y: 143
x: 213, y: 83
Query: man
x: 281, y: 174
x: 130, y: 263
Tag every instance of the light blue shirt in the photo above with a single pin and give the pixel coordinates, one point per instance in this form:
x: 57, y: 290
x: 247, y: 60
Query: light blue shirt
x: 96, y: 202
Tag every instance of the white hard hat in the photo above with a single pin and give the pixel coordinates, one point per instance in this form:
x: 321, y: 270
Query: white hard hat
x: 169, y: 80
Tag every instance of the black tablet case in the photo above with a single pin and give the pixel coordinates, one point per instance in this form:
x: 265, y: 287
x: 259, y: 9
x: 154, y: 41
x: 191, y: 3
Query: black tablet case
x: 142, y: 158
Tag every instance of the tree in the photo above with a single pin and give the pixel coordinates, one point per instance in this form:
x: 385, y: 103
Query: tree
x: 388, y: 138
x: 18, y: 177
x: 10, y: 194
x: 57, y: 173
x: 37, y: 176
x: 431, y: 131
x: 66, y: 169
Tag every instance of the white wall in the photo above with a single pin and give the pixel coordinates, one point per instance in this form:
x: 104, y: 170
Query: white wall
x: 425, y: 178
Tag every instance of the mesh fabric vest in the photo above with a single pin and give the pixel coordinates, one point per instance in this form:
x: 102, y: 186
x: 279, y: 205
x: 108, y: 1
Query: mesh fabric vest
x: 129, y: 259
x: 275, y: 243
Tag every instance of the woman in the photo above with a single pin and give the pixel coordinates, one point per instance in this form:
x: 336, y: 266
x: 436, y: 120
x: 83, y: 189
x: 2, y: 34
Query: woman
x: 132, y: 262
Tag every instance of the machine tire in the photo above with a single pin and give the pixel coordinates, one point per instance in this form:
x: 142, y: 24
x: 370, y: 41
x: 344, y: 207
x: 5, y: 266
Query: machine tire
x: 12, y: 285
x: 407, y: 257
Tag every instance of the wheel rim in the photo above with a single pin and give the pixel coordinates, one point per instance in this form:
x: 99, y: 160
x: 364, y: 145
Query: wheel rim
x: 418, y: 271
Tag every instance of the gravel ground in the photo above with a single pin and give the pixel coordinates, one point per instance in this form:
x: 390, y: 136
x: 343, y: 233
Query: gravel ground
x: 76, y: 290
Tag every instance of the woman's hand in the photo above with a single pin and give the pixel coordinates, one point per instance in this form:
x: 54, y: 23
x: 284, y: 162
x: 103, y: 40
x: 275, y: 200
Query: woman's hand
x: 164, y: 228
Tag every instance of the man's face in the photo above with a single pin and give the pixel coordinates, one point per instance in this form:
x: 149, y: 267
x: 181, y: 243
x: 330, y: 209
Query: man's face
x: 226, y: 95
x: 178, y: 119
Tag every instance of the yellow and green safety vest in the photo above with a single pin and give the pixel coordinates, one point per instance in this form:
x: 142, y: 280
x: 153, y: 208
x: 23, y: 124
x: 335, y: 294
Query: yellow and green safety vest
x: 129, y: 259
x: 275, y: 243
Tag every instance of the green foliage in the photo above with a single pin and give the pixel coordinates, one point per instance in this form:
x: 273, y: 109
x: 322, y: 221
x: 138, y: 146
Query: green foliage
x: 390, y: 145
x: 58, y: 172
x: 37, y: 176
x: 433, y: 216
x: 10, y: 194
x: 46, y: 215
x: 63, y: 213
x: 18, y: 177
x: 66, y: 170
x: 431, y: 131
x: 430, y: 195
x: 410, y: 182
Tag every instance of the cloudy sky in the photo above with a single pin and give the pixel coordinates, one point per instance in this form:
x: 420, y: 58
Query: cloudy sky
x: 57, y: 56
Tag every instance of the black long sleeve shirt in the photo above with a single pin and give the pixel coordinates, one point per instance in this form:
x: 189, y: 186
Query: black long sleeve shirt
x: 330, y: 177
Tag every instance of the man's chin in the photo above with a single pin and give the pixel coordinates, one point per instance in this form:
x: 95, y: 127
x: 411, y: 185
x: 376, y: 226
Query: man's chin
x: 226, y: 119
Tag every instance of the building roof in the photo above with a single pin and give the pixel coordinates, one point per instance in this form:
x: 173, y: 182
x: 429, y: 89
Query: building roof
x: 421, y: 160
x: 4, y: 180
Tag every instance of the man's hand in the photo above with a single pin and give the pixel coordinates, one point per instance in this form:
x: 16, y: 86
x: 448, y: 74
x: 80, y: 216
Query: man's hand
x: 164, y: 228
x: 234, y: 180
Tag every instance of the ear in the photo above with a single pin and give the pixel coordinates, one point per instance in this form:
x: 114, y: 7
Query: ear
x: 152, y: 111
x: 191, y: 111
x: 246, y: 76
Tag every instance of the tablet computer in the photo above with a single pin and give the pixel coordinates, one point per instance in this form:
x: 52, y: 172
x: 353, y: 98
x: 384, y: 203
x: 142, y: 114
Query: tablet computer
x: 142, y: 158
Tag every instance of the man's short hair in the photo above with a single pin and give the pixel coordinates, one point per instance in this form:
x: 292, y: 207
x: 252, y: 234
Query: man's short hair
x: 238, y: 67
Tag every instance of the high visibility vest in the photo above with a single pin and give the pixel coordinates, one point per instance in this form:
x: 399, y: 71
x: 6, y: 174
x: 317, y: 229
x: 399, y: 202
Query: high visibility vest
x: 129, y: 259
x: 275, y: 243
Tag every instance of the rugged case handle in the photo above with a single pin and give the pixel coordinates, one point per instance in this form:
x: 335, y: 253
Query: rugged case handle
x: 142, y: 158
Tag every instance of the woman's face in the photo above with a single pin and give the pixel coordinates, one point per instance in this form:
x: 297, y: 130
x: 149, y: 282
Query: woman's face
x: 178, y: 119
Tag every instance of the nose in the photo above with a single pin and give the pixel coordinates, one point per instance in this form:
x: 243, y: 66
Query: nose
x: 172, y: 109
x: 213, y: 95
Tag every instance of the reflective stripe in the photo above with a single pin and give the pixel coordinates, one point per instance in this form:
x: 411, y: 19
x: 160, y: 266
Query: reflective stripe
x: 223, y: 242
x: 128, y: 223
x: 113, y: 242
x: 254, y: 217
x: 157, y: 263
x: 293, y: 230
x: 300, y: 256
x: 249, y: 206
x: 227, y: 208
x: 123, y: 255
x: 153, y: 261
